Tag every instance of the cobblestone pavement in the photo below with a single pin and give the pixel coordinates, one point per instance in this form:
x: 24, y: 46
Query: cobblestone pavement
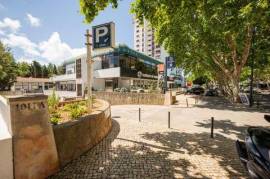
x: 148, y: 149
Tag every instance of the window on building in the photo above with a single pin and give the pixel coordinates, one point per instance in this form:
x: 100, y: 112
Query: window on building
x: 78, y: 68
x: 110, y: 61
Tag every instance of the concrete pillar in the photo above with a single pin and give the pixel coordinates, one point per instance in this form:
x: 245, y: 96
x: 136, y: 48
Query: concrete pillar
x: 34, y: 149
x: 168, y: 98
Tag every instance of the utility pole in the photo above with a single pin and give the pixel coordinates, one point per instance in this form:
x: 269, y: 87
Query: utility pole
x: 252, y: 69
x: 165, y: 75
x: 89, y: 70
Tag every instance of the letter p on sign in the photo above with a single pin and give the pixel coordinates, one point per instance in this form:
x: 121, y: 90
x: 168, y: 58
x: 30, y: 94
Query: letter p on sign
x: 100, y: 32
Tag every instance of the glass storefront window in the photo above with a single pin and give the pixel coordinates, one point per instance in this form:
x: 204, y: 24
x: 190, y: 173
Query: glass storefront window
x: 130, y: 66
x: 65, y: 86
x: 110, y: 61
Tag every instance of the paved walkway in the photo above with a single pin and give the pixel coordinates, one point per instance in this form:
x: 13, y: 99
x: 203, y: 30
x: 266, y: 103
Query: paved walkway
x: 148, y: 149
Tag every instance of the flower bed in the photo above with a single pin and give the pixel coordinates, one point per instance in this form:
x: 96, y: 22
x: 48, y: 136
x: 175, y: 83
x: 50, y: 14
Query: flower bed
x: 61, y: 112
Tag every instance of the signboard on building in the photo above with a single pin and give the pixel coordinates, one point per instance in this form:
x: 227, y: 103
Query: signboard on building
x: 173, y: 72
x: 170, y: 62
x: 104, y: 36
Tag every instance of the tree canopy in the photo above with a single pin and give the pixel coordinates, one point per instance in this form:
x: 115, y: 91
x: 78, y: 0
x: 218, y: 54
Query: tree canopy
x: 36, y: 70
x: 7, y: 68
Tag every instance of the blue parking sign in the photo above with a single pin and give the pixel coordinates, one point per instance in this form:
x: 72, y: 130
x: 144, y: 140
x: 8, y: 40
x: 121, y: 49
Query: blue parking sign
x: 103, y: 36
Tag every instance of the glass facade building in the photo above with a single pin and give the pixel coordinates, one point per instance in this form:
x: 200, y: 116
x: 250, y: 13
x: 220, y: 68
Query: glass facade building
x: 131, y: 63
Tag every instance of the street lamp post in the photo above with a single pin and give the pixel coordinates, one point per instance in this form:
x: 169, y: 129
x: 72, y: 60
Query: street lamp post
x: 89, y: 70
x: 252, y: 69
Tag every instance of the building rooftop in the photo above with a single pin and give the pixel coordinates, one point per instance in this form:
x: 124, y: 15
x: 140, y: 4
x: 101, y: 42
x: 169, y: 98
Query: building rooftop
x: 32, y: 80
x: 120, y: 49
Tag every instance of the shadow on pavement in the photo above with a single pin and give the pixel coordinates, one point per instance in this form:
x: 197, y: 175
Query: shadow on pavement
x: 221, y: 103
x: 148, y: 160
x: 138, y: 160
x: 225, y: 127
x: 220, y: 149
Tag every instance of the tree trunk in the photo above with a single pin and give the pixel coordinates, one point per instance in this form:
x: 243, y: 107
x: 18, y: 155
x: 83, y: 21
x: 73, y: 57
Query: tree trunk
x: 235, y: 88
x: 229, y: 85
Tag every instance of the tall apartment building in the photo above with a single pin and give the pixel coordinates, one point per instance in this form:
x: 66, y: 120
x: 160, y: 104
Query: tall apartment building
x: 144, y: 40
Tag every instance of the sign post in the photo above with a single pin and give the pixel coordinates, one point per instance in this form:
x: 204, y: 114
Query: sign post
x: 165, y: 75
x: 169, y: 64
x: 89, y: 71
x: 103, y: 37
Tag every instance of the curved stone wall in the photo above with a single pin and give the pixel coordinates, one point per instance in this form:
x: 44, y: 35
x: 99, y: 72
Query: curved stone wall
x: 73, y: 138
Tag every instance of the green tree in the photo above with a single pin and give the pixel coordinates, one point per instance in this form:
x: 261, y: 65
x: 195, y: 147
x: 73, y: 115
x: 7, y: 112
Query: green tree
x: 61, y: 70
x: 36, y: 69
x: 50, y: 70
x: 7, y: 68
x: 201, y: 80
x: 215, y: 34
x: 212, y: 35
x: 23, y: 69
x: 55, y: 71
x: 45, y: 72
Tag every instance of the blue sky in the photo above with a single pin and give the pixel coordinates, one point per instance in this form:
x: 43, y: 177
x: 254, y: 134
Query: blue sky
x: 52, y: 30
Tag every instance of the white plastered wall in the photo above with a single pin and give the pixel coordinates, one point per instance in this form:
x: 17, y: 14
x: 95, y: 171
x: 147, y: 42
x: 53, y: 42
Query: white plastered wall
x: 6, y: 155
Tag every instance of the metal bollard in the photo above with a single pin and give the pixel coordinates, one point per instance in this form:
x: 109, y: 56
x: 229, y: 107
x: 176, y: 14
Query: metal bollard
x: 212, y: 127
x: 139, y: 114
x: 169, y: 119
x: 187, y: 102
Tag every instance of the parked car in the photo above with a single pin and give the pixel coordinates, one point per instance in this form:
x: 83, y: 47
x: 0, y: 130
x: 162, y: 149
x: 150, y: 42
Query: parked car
x: 138, y: 90
x: 211, y: 92
x: 117, y: 90
x: 124, y: 90
x: 196, y: 89
x: 254, y: 151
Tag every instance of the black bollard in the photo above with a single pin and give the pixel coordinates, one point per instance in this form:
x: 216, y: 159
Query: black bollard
x: 139, y: 114
x: 169, y: 119
x: 187, y: 101
x: 212, y: 127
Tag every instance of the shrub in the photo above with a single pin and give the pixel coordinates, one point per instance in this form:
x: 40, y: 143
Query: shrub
x: 77, y: 111
x: 55, y: 118
x: 53, y: 102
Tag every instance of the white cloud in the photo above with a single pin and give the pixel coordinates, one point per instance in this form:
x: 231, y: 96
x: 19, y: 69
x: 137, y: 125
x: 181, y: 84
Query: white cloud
x: 55, y: 50
x: 34, y: 21
x: 11, y: 24
x: 22, y: 42
x: 30, y: 60
x: 52, y: 50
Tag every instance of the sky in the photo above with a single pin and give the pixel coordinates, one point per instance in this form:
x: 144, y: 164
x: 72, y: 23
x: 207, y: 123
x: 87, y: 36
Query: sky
x: 53, y: 30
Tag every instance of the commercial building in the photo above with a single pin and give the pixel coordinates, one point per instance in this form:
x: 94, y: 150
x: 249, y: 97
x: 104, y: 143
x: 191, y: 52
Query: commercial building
x: 144, y: 41
x: 112, y: 68
x: 32, y: 85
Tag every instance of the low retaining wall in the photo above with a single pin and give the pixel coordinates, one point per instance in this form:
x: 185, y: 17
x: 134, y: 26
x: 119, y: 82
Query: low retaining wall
x: 10, y: 93
x: 118, y: 98
x: 73, y: 138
